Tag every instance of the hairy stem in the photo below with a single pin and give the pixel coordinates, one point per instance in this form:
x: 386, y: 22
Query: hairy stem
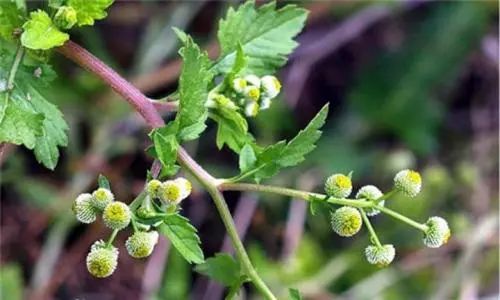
x: 147, y: 110
x: 402, y: 218
x: 111, y: 238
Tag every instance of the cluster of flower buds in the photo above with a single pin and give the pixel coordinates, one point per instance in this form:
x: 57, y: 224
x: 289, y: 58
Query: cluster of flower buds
x: 255, y: 94
x: 171, y: 191
x: 347, y: 221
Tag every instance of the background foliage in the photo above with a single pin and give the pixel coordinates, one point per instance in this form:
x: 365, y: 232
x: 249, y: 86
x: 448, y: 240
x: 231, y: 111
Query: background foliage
x: 409, y: 85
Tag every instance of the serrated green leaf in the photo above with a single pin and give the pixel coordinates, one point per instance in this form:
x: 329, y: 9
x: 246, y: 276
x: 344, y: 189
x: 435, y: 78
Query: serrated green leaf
x: 40, y: 33
x: 20, y: 126
x: 11, y: 17
x: 221, y: 268
x: 247, y: 158
x: 305, y: 141
x: 28, y: 83
x: 294, y: 294
x: 89, y: 11
x: 193, y: 90
x: 266, y: 35
x: 166, y: 145
x: 183, y: 236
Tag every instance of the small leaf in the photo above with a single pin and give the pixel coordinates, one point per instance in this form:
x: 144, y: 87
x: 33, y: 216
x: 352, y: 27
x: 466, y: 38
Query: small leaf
x: 294, y: 294
x: 103, y: 182
x: 166, y: 145
x: 232, y: 129
x: 247, y: 158
x: 221, y: 268
x: 19, y: 126
x: 40, y: 33
x: 88, y: 11
x: 183, y: 236
x: 193, y: 86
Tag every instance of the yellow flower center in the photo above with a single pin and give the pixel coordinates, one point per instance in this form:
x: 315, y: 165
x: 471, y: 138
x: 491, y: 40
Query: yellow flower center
x: 277, y: 84
x: 254, y: 93
x: 414, y: 177
x: 343, y: 181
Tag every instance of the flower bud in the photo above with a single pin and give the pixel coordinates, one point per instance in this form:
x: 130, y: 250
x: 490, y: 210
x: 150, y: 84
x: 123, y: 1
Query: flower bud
x: 380, y: 256
x: 223, y: 101
x: 153, y: 188
x: 141, y: 244
x: 83, y: 209
x: 252, y: 93
x: 270, y: 85
x: 370, y: 192
x: 346, y: 221
x: 101, y: 198
x: 239, y: 85
x: 102, y: 260
x: 409, y: 182
x: 116, y: 215
x: 338, y: 186
x: 251, y: 109
x: 437, y: 233
x: 65, y: 17
x: 253, y: 80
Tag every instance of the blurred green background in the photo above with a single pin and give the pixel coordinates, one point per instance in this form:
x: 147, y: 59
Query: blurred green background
x: 411, y: 84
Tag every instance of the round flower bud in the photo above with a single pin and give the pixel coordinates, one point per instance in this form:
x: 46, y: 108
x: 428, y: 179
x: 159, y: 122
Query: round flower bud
x: 251, y: 109
x: 223, y: 101
x: 65, y: 17
x: 239, y: 85
x: 409, y: 182
x: 185, y: 187
x: 101, y: 198
x: 270, y: 86
x: 252, y: 93
x: 380, y: 256
x: 102, y: 260
x: 83, y: 209
x: 346, y: 221
x: 253, y: 80
x: 370, y: 192
x: 116, y: 215
x: 153, y: 188
x: 338, y: 186
x: 141, y: 244
x: 437, y: 233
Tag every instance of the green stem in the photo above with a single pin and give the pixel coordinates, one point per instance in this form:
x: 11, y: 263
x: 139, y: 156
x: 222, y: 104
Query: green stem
x: 227, y: 186
x: 211, y: 186
x: 385, y: 196
x: 368, y: 224
x: 15, y: 66
x: 402, y: 218
x: 112, y: 238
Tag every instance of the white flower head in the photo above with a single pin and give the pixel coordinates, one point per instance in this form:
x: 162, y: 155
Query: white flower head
x: 239, y: 85
x: 174, y: 191
x: 271, y: 86
x: 101, y: 260
x: 338, y: 186
x: 251, y: 109
x: 116, y: 215
x: 83, y: 209
x: 437, y: 233
x: 370, y: 192
x: 252, y: 93
x: 380, y: 256
x: 346, y: 221
x: 408, y: 182
x: 141, y: 243
x: 265, y: 102
x: 101, y: 198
